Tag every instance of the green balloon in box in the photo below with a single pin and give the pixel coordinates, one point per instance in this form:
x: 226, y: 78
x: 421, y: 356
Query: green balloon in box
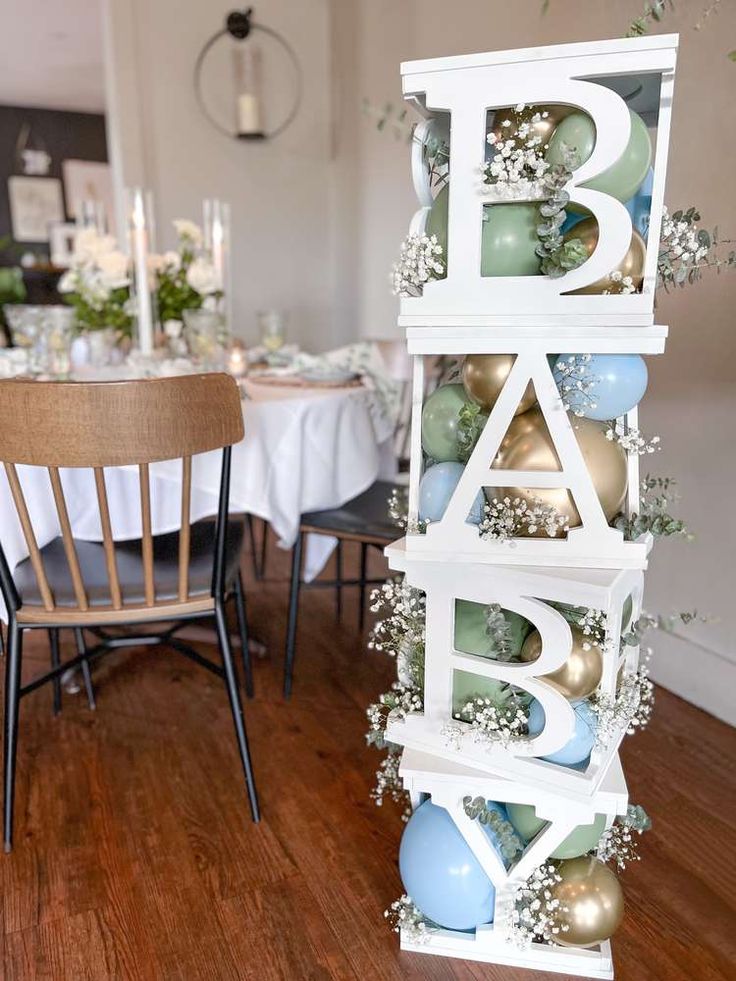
x: 579, y: 842
x: 621, y: 180
x: 471, y: 631
x: 509, y: 239
x: 440, y: 421
x: 466, y: 686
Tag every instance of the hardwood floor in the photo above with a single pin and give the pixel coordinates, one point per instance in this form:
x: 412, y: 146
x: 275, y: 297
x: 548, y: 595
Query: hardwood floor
x: 135, y: 856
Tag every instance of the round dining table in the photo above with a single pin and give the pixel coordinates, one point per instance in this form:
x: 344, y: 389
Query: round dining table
x: 305, y: 449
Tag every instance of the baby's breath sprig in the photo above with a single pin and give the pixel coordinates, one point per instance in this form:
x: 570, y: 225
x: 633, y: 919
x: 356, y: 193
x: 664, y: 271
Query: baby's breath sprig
x: 653, y: 517
x: 405, y: 917
x: 510, y: 518
x: 632, y: 440
x: 400, y: 701
x: 517, y: 166
x: 619, y: 844
x: 509, y: 843
x: 629, y: 710
x: 499, y: 717
x: 398, y: 506
x: 419, y: 263
x: 619, y: 285
x: 535, y: 911
x: 400, y: 633
x: 390, y: 785
x: 576, y: 383
x: 685, y: 250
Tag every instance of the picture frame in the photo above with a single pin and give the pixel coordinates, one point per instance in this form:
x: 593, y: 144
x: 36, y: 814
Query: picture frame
x: 61, y: 243
x: 36, y: 203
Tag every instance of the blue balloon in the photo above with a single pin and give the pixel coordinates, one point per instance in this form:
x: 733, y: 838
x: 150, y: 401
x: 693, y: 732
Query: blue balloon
x: 570, y: 221
x: 640, y: 205
x: 440, y: 872
x: 619, y: 382
x: 580, y: 746
x: 437, y: 487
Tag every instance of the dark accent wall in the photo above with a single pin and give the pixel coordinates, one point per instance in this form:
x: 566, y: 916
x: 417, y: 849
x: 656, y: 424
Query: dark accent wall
x: 64, y: 136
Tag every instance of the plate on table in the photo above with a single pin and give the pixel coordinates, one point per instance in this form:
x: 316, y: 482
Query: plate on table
x: 329, y: 376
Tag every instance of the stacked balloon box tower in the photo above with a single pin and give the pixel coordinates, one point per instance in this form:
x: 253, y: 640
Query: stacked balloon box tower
x: 530, y: 268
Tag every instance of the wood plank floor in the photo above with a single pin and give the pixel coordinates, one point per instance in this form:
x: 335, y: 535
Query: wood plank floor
x: 135, y: 856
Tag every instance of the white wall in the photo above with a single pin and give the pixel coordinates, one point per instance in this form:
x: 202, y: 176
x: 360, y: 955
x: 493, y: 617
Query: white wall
x: 691, y: 401
x: 279, y: 191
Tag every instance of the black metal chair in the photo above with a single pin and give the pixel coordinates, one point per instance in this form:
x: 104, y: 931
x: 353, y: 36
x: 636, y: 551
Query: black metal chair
x: 77, y: 585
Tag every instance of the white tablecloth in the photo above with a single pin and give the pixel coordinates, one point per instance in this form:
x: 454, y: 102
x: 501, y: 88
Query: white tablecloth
x: 304, y: 450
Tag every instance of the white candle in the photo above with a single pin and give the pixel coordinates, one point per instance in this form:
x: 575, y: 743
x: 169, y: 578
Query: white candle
x: 139, y: 243
x: 249, y: 114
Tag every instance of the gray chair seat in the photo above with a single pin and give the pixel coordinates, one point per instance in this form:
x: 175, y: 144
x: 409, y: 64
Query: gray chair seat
x: 365, y: 516
x: 129, y: 558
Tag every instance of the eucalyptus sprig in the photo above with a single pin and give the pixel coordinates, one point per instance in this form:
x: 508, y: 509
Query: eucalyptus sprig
x: 508, y: 840
x: 652, y: 14
x: 685, y: 250
x: 558, y: 256
x: 654, y: 512
x: 471, y: 420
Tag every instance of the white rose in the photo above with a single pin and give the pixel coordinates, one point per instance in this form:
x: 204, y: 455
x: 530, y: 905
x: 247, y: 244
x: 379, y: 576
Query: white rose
x: 113, y: 270
x: 89, y: 245
x: 188, y: 231
x: 68, y: 282
x: 202, y: 277
x: 171, y: 261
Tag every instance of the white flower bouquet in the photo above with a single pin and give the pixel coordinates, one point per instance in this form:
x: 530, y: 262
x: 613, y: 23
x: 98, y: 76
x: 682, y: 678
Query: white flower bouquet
x: 97, y: 283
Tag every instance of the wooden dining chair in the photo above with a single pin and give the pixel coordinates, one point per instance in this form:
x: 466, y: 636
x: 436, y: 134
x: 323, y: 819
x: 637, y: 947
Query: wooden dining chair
x: 365, y: 519
x: 163, y: 579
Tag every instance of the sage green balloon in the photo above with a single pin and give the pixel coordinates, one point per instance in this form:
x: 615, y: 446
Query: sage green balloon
x: 621, y: 180
x: 466, y: 685
x: 510, y: 240
x: 440, y: 420
x: 509, y: 237
x: 626, y: 612
x: 579, y: 842
x: 471, y: 630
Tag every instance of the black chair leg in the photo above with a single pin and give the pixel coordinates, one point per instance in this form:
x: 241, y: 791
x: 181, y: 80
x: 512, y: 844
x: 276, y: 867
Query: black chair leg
x: 55, y: 663
x: 338, y: 580
x: 363, y: 577
x: 296, y: 568
x: 264, y: 548
x: 243, y: 630
x: 231, y: 681
x: 253, y: 546
x: 12, y: 704
x: 86, y: 673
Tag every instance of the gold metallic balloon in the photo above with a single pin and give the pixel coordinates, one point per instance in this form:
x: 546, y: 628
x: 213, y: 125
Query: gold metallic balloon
x: 528, y: 446
x: 543, y: 129
x: 484, y: 375
x: 631, y: 265
x: 591, y: 902
x: 581, y: 673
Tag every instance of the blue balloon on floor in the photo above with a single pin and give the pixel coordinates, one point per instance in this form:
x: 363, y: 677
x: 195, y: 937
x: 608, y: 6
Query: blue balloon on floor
x: 580, y: 746
x: 640, y: 205
x: 440, y: 872
x: 619, y: 382
x: 437, y: 487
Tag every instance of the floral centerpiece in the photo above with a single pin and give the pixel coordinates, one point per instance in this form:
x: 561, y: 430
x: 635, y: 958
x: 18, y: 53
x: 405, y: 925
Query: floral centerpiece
x: 97, y: 284
x: 186, y: 278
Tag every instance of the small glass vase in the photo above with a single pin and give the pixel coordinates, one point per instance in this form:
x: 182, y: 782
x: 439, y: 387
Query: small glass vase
x: 95, y: 348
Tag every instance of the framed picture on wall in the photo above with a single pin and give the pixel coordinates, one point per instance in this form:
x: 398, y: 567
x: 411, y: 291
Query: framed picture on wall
x: 87, y: 181
x: 35, y: 203
x: 61, y: 243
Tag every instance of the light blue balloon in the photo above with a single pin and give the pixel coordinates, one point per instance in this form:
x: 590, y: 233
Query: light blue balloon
x: 437, y: 487
x: 440, y: 872
x: 580, y: 746
x: 619, y: 382
x: 640, y: 205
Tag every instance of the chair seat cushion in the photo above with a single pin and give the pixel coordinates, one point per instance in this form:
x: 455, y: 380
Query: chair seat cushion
x: 129, y: 560
x: 366, y: 516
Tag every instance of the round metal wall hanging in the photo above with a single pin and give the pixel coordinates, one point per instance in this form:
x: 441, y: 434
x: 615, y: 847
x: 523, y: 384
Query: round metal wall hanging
x: 248, y: 78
